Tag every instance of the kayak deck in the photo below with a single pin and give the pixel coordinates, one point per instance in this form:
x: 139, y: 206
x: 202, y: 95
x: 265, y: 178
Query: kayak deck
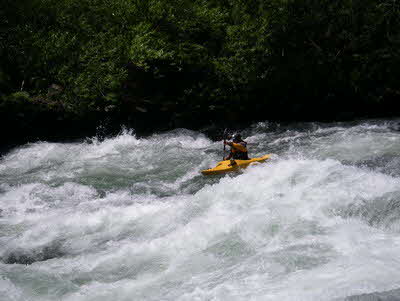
x: 232, y: 165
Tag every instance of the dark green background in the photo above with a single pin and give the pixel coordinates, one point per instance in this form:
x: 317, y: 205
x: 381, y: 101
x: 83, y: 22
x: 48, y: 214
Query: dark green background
x: 68, y: 64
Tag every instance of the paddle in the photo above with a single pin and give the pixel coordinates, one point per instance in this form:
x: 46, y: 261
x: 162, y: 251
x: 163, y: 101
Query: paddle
x: 224, y: 144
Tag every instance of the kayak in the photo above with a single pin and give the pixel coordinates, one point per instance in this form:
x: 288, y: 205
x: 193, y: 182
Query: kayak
x: 232, y: 165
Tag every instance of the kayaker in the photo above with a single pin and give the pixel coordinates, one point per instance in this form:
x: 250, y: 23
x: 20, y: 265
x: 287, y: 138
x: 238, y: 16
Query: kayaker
x: 238, y: 148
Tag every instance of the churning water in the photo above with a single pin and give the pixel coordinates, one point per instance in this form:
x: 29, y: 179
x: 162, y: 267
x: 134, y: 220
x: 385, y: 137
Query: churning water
x: 132, y: 218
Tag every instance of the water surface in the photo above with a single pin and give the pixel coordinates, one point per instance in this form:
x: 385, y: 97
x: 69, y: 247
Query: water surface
x: 132, y: 218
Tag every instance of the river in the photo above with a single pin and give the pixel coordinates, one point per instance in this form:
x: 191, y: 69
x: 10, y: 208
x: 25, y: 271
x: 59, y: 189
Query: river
x: 129, y: 218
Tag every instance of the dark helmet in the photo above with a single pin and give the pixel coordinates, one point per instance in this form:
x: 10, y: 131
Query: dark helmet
x: 237, y: 138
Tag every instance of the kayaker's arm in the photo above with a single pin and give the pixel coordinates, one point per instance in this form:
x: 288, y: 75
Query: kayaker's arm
x: 240, y: 147
x: 237, y: 146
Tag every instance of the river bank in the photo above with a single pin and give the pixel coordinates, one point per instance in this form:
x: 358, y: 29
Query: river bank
x: 29, y: 121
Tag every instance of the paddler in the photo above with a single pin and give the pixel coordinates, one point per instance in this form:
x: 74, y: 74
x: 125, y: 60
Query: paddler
x: 238, y: 148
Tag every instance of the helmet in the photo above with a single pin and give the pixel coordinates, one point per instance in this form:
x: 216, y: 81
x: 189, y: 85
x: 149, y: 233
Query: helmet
x: 237, y: 137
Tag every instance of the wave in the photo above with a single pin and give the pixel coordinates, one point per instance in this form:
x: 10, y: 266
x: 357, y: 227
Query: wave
x: 132, y: 219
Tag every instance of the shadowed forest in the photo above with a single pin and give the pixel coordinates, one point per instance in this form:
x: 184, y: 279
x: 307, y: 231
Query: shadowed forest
x: 67, y: 64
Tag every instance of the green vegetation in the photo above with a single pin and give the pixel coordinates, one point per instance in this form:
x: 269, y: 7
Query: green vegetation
x: 159, y: 59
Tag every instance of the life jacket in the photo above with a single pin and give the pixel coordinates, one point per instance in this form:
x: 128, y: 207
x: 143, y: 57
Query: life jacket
x: 239, y: 151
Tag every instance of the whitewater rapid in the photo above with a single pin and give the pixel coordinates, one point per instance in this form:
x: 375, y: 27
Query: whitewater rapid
x: 128, y: 218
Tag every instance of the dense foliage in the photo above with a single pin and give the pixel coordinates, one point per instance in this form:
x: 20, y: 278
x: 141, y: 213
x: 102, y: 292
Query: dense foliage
x: 155, y: 60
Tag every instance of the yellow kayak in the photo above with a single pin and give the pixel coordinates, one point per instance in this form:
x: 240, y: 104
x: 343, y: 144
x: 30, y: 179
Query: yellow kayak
x: 232, y: 165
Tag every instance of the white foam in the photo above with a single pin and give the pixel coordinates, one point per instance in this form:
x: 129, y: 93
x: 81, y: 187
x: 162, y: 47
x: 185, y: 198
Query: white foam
x: 125, y: 228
